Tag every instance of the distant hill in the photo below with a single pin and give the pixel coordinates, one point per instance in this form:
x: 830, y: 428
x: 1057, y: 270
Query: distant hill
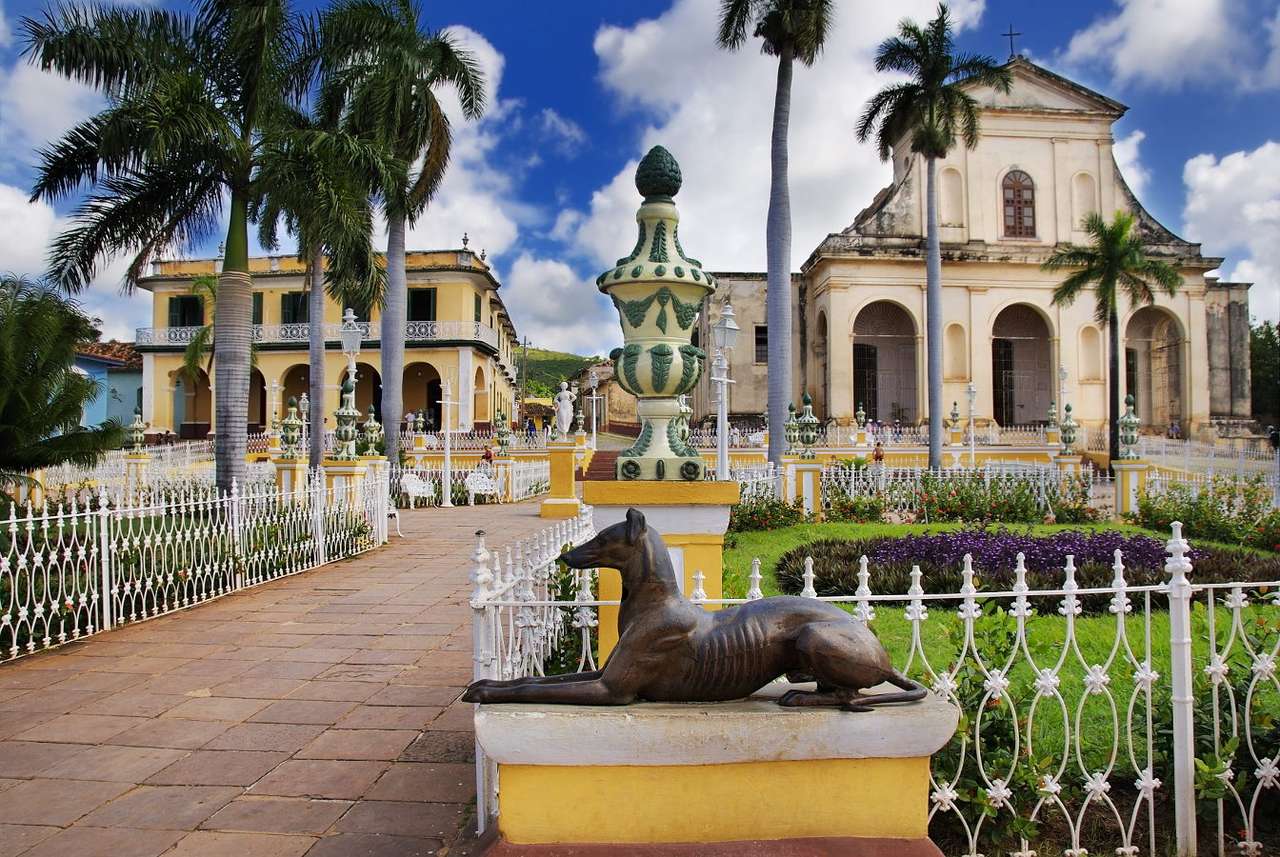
x: 548, y: 368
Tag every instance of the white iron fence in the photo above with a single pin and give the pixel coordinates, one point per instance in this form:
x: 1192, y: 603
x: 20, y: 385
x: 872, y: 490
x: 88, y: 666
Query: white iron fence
x: 1080, y: 734
x: 482, y: 480
x: 67, y: 572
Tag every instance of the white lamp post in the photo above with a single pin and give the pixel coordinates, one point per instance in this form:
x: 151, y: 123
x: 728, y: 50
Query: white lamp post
x: 972, y: 392
x: 593, y: 383
x: 304, y: 410
x: 446, y: 475
x: 724, y: 333
x: 1062, y: 390
x: 350, y: 334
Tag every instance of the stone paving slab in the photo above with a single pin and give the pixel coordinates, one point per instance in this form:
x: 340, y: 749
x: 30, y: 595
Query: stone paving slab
x: 315, y: 715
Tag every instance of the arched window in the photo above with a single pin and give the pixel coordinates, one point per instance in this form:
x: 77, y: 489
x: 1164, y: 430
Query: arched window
x: 952, y: 197
x: 1019, y: 194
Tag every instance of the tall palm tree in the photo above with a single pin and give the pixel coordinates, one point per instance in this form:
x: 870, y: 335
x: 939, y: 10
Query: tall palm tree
x: 193, y: 99
x: 383, y: 70
x: 1113, y: 261
x: 43, y: 397
x: 789, y: 30
x: 320, y: 183
x: 932, y: 105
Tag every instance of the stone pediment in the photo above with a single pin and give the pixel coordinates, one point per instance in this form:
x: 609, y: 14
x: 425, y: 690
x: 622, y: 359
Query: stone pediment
x: 1036, y: 88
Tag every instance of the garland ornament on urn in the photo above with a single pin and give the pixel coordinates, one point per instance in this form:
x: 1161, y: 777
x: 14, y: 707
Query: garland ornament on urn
x: 1129, y: 424
x: 658, y: 292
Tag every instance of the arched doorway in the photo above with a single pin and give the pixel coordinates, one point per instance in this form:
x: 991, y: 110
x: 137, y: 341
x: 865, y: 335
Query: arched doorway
x: 368, y: 390
x: 192, y: 404
x: 1153, y: 366
x: 296, y: 381
x: 884, y: 363
x: 421, y: 392
x: 1021, y: 367
x: 820, y: 344
x: 480, y: 408
x: 257, y: 416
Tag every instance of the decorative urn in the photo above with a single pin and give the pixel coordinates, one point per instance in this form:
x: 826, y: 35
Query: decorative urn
x: 138, y: 432
x: 860, y: 416
x: 345, y: 434
x: 290, y: 430
x: 658, y: 292
x: 1129, y: 430
x: 807, y: 429
x: 791, y: 431
x: 1053, y: 414
x: 955, y: 415
x: 502, y: 434
x: 373, y: 433
x: 1068, y: 431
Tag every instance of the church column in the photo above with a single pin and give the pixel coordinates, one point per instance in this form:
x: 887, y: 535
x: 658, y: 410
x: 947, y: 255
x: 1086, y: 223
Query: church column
x: 840, y: 402
x: 466, y: 388
x: 1195, y: 363
x: 1061, y: 191
x: 1106, y: 178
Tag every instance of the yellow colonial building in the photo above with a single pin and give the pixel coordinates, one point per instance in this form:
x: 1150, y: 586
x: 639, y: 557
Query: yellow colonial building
x: 458, y: 331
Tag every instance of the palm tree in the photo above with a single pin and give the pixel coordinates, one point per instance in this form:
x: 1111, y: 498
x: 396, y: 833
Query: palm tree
x: 43, y: 398
x: 383, y: 69
x: 319, y: 182
x: 932, y: 105
x: 1113, y: 261
x: 789, y: 30
x: 193, y: 102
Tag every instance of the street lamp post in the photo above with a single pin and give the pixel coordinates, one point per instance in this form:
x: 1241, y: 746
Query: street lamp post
x: 972, y: 392
x: 593, y: 383
x: 304, y: 408
x: 724, y: 333
x: 350, y: 334
x: 446, y: 475
x: 1062, y: 389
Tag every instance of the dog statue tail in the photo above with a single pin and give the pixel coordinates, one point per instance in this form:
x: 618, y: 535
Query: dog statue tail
x: 912, y: 691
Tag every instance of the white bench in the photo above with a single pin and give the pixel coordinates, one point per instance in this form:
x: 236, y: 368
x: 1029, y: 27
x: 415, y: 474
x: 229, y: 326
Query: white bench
x: 416, y: 488
x: 480, y: 482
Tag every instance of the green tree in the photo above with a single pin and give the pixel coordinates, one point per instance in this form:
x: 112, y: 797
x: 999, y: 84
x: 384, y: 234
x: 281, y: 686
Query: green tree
x: 383, y: 68
x: 1114, y: 261
x: 1264, y: 369
x: 931, y: 107
x: 790, y: 30
x: 194, y: 101
x: 42, y: 396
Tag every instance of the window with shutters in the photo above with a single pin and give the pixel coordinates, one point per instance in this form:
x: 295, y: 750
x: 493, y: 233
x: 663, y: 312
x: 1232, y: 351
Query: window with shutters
x: 186, y: 311
x: 422, y: 304
x: 762, y: 343
x: 1019, y: 195
x: 293, y: 308
x: 478, y: 309
x: 257, y: 307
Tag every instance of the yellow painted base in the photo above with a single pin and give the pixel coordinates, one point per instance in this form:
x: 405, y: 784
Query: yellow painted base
x: 649, y: 493
x: 715, y: 803
x: 559, y: 509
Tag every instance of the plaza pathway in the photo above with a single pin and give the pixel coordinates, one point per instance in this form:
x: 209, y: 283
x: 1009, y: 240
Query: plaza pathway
x: 315, y: 715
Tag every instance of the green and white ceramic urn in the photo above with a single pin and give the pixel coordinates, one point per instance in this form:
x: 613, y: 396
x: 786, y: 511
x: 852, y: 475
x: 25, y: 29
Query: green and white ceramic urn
x: 658, y: 291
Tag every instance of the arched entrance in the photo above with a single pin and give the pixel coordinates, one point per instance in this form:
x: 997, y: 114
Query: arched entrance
x: 823, y: 397
x: 480, y: 398
x: 257, y: 416
x: 1153, y: 366
x: 421, y: 392
x: 884, y: 363
x: 368, y: 390
x: 296, y: 381
x: 1021, y: 367
x: 192, y: 404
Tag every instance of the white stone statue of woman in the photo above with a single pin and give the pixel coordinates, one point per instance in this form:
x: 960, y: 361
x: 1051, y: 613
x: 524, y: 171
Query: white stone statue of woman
x: 564, y: 409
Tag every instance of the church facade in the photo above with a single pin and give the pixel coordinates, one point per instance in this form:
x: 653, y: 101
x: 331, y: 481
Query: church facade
x: 1043, y: 162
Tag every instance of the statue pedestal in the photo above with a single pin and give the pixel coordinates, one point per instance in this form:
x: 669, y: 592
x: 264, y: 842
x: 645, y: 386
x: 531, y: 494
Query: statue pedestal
x: 1131, y: 481
x: 562, y: 499
x: 804, y: 483
x: 345, y: 479
x: 692, y: 517
x: 736, y: 778
x: 291, y: 474
x: 1068, y: 463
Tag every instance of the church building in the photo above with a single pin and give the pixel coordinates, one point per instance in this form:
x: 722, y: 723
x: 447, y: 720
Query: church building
x: 1043, y: 161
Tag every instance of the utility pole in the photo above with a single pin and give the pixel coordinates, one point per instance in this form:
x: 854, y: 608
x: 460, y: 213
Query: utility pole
x: 524, y: 383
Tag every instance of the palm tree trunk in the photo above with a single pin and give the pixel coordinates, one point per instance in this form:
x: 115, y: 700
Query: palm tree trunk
x: 394, y: 314
x: 315, y: 353
x: 1113, y: 411
x: 778, y: 251
x: 233, y: 336
x: 933, y: 314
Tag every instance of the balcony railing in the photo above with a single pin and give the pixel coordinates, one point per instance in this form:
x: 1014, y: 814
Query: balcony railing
x: 414, y: 331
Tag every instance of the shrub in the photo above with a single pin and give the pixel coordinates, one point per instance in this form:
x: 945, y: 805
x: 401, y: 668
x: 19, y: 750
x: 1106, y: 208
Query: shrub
x: 957, y: 498
x: 765, y: 514
x: 854, y: 510
x: 1226, y: 509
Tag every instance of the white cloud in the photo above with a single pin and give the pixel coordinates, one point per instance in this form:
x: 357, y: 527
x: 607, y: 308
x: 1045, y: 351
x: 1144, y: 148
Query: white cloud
x: 558, y: 309
x: 30, y: 227
x: 1233, y: 206
x: 564, y: 134
x: 37, y: 107
x: 6, y: 34
x: 1166, y: 43
x: 714, y: 110
x: 1127, y: 158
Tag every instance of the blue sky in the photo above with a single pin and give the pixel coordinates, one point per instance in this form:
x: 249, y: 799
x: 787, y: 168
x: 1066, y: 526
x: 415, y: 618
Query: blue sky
x: 581, y: 89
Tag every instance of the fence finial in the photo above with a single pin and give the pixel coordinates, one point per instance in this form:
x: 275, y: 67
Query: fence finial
x: 699, y: 594
x: 480, y: 577
x: 753, y: 591
x: 864, y: 610
x: 808, y: 591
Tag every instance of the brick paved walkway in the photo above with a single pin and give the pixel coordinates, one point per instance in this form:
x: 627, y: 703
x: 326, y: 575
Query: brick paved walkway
x: 314, y: 715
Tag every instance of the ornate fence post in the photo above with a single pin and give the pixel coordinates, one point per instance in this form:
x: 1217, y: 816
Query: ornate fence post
x: 482, y: 646
x: 1184, y: 749
x: 319, y: 500
x: 104, y: 535
x: 237, y: 535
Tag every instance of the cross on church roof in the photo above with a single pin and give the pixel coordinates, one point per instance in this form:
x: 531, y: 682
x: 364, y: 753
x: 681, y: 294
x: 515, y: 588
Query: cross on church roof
x: 1010, y: 35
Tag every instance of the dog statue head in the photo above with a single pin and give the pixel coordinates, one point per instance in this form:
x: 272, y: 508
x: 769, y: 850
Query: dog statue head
x: 617, y: 546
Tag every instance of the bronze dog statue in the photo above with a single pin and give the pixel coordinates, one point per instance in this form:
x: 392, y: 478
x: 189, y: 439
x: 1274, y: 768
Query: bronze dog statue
x: 671, y: 650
